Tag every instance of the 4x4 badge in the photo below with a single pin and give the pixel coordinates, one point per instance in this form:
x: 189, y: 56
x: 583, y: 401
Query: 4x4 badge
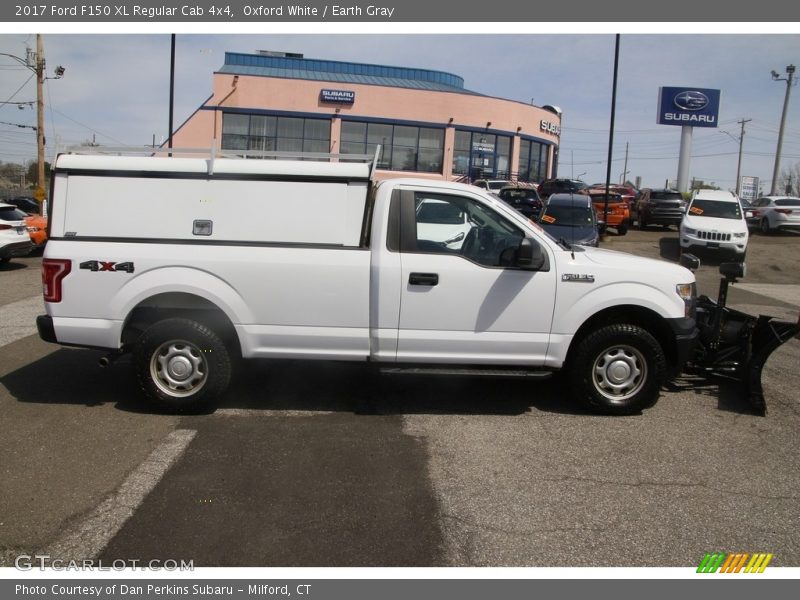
x: 579, y: 277
x: 102, y: 265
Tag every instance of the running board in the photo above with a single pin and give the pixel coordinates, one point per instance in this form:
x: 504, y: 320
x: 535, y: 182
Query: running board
x: 466, y: 371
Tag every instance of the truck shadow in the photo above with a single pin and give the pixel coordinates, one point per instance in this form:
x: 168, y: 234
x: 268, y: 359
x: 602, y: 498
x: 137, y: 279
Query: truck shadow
x: 71, y: 376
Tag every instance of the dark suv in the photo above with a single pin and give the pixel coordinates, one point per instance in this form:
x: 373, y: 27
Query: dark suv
x: 524, y: 199
x: 658, y: 207
x: 562, y: 186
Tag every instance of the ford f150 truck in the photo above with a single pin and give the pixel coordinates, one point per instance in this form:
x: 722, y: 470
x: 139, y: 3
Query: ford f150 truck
x: 192, y: 263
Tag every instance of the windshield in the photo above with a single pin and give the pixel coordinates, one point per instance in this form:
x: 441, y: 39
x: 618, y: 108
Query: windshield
x: 568, y: 216
x: 518, y: 194
x: 12, y: 214
x: 715, y: 208
x: 666, y: 196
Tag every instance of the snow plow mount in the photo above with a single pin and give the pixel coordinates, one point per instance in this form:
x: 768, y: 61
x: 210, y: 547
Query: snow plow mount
x: 734, y: 344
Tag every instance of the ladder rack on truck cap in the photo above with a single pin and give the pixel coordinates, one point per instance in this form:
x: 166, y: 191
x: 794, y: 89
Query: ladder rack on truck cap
x: 212, y: 161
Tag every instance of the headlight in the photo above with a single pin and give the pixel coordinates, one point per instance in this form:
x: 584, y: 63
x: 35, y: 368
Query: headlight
x: 739, y: 235
x: 689, y: 231
x: 685, y: 290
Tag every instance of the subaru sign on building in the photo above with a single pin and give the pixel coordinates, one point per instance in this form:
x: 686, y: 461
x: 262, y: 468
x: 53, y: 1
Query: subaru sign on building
x: 695, y: 107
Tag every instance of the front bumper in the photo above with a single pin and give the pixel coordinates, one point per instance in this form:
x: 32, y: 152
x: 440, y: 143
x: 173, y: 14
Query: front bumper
x: 734, y: 245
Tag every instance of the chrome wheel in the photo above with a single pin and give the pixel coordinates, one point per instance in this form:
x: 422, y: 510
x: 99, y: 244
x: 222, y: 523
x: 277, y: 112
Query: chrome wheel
x: 178, y: 368
x: 619, y: 372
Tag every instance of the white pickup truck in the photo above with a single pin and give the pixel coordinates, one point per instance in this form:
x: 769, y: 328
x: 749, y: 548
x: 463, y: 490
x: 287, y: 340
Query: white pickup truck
x: 192, y: 263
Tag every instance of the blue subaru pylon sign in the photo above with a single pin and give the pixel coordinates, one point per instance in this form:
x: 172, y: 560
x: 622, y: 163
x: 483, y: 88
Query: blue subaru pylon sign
x: 695, y: 107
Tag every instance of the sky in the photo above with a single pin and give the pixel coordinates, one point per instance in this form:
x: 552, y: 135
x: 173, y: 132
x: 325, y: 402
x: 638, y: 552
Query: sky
x: 115, y: 90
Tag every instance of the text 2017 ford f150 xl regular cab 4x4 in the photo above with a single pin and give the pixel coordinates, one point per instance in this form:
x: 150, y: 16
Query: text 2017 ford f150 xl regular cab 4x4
x: 191, y: 263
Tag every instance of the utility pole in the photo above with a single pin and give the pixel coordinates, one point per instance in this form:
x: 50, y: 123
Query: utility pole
x: 40, y: 117
x: 625, y: 169
x: 739, y: 164
x: 775, y: 172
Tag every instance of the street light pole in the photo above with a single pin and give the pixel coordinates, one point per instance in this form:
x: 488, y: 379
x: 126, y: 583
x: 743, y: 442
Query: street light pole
x: 775, y: 172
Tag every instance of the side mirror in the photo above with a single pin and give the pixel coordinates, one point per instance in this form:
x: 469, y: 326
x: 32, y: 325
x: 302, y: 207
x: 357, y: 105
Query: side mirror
x: 530, y: 255
x: 689, y: 261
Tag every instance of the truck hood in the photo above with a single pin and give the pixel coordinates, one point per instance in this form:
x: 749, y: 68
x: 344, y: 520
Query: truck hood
x: 638, y: 267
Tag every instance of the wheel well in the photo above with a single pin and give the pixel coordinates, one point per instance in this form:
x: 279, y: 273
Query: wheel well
x: 179, y: 304
x: 631, y: 314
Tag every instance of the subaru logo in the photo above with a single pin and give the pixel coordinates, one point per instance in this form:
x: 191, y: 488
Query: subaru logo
x: 690, y: 100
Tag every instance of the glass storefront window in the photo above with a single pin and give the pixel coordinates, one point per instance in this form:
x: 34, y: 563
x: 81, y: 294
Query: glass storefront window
x: 532, y: 161
x: 270, y: 133
x: 480, y: 154
x: 403, y: 147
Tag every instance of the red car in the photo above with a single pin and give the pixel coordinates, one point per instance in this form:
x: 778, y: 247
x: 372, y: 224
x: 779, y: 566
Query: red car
x: 628, y: 193
x: 618, y: 216
x: 37, y: 228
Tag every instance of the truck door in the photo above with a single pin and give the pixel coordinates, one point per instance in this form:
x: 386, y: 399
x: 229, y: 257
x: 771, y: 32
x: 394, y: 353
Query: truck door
x: 462, y: 298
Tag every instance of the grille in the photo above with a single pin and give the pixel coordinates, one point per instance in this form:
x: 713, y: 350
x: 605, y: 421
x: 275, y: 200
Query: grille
x: 714, y: 236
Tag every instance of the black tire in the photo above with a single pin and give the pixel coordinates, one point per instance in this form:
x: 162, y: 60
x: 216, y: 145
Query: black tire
x: 622, y: 230
x: 764, y: 226
x: 640, y: 370
x: 181, y: 365
x: 4, y: 260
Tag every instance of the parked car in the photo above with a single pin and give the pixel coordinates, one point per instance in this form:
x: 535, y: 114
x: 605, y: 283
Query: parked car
x: 441, y: 223
x: 14, y: 237
x: 525, y: 199
x: 26, y: 204
x: 618, y: 216
x: 571, y: 218
x: 772, y: 213
x: 492, y: 185
x: 562, y: 186
x: 628, y: 194
x: 37, y: 228
x: 658, y: 207
x: 714, y: 220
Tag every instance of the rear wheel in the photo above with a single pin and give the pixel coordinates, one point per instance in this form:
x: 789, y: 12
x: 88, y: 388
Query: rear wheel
x: 182, y: 365
x: 618, y: 370
x: 622, y: 230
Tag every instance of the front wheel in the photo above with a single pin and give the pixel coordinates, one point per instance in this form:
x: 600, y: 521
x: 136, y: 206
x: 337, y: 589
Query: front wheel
x: 182, y: 365
x: 765, y: 229
x: 618, y: 370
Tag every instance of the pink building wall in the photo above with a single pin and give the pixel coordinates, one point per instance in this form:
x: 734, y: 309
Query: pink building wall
x: 449, y: 109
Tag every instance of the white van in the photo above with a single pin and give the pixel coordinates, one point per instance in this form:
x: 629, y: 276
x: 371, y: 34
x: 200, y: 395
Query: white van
x: 191, y: 263
x: 714, y: 220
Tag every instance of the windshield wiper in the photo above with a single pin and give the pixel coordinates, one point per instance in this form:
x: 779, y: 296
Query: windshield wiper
x: 566, y: 245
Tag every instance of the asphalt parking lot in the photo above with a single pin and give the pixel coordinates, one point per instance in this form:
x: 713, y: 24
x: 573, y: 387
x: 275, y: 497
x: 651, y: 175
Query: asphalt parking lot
x: 308, y: 464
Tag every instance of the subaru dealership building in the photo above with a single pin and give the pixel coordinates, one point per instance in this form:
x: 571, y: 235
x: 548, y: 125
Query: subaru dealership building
x: 426, y: 122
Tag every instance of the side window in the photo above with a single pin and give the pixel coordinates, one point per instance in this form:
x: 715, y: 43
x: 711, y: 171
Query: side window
x: 462, y: 226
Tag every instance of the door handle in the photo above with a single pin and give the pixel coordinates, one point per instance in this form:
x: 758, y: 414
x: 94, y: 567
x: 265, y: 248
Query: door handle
x: 429, y: 279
